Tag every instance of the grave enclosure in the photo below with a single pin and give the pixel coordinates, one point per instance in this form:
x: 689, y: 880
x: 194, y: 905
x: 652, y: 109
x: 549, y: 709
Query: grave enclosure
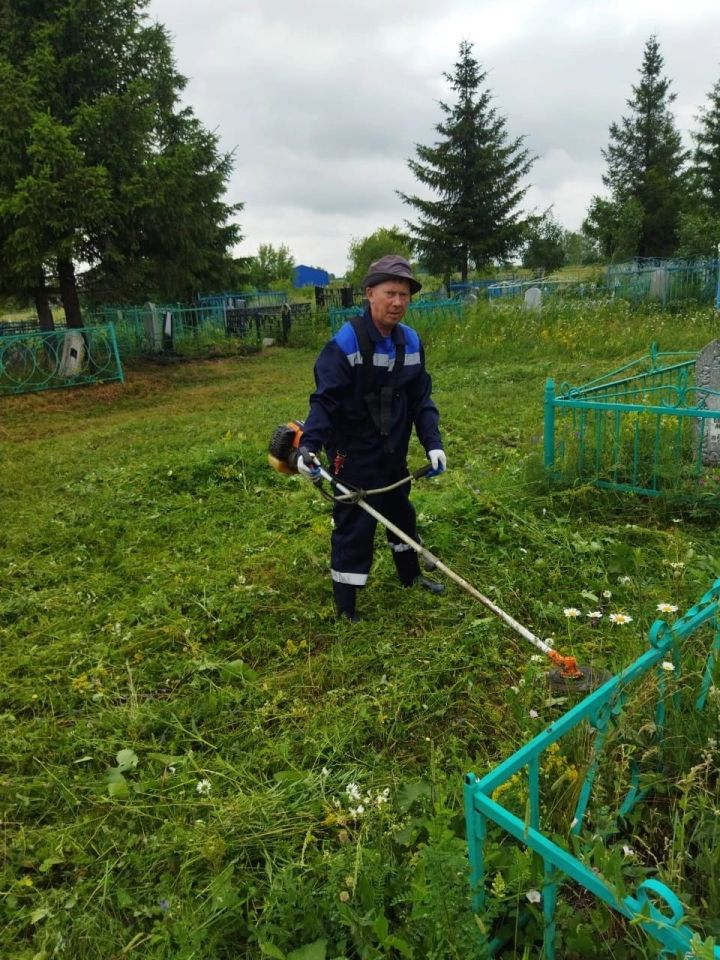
x: 649, y: 427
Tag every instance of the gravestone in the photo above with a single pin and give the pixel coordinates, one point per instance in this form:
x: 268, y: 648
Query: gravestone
x: 153, y: 325
x: 533, y: 299
x: 659, y: 281
x: 707, y: 376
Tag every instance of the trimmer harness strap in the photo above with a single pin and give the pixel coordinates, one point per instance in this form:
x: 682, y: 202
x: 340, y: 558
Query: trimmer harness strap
x: 379, y: 401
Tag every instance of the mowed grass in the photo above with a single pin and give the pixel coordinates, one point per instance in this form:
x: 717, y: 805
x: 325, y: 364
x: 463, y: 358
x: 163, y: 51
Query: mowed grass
x: 187, y: 733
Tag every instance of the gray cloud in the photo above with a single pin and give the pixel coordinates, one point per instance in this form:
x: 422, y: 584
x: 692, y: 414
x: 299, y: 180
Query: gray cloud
x: 323, y: 102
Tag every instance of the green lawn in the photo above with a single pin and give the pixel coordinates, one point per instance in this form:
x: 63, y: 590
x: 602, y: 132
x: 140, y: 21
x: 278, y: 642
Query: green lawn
x: 184, y: 722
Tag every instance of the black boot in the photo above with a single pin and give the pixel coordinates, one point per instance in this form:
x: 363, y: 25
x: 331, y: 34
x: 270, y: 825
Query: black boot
x: 345, y: 594
x: 407, y: 566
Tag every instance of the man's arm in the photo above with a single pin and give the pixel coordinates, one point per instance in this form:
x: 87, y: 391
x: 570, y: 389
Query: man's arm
x: 333, y: 379
x: 425, y: 414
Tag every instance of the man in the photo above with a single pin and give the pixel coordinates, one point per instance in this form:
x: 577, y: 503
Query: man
x: 363, y: 413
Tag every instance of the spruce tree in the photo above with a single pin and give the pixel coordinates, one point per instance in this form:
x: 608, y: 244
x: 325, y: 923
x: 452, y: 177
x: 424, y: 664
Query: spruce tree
x: 645, y: 160
x: 475, y: 171
x: 700, y: 224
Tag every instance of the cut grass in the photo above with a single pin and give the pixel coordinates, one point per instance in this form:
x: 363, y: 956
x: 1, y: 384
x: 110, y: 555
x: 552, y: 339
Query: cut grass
x: 165, y: 593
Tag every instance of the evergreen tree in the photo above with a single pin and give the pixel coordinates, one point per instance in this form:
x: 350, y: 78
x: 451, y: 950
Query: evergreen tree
x: 476, y: 172
x: 645, y: 160
x: 700, y: 225
x: 106, y: 169
x: 706, y: 157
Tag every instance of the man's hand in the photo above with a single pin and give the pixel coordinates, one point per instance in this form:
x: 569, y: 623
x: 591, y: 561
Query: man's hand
x: 307, y: 467
x: 438, y: 462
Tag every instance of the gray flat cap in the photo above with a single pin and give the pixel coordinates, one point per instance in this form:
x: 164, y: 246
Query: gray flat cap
x: 391, y: 267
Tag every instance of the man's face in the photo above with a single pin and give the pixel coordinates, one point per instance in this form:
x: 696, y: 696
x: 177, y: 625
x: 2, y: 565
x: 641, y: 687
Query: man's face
x: 389, y: 301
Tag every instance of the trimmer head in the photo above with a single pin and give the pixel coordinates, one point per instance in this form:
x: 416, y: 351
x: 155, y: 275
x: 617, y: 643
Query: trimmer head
x: 590, y: 679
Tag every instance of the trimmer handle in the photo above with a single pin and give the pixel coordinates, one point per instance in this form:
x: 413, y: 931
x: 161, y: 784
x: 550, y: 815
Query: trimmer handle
x: 421, y: 471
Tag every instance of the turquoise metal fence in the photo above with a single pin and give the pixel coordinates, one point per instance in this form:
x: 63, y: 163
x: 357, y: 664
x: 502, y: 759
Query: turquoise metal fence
x: 39, y: 360
x: 641, y: 428
x: 664, y: 280
x: 419, y: 312
x: 209, y: 329
x: 555, y: 289
x: 653, y: 906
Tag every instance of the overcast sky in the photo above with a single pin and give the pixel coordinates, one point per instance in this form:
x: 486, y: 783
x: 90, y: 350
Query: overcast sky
x: 323, y: 102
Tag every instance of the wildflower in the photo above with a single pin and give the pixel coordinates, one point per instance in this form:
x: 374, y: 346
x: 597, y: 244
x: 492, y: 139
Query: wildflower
x: 350, y: 882
x: 533, y: 896
x: 356, y: 812
x: 324, y: 773
x: 677, y: 519
x: 677, y: 565
x: 666, y: 607
x: 533, y: 714
x: 607, y: 594
x: 515, y: 689
x: 353, y: 791
x: 344, y: 896
x: 571, y: 612
x: 620, y: 618
x: 625, y: 579
x: 203, y: 787
x: 164, y: 905
x: 537, y: 658
x: 668, y: 666
x: 595, y: 615
x: 628, y: 851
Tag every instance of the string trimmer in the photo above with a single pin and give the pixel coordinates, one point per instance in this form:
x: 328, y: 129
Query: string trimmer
x: 567, y: 674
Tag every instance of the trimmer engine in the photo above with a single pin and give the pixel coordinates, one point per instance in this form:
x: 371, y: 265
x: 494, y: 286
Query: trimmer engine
x: 283, y: 450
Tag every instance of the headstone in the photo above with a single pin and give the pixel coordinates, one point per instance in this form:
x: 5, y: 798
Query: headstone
x: 533, y: 299
x: 153, y: 325
x: 73, y: 354
x: 659, y: 284
x: 707, y: 377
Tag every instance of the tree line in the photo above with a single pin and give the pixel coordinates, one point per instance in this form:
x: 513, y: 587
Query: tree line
x: 663, y: 200
x: 102, y: 167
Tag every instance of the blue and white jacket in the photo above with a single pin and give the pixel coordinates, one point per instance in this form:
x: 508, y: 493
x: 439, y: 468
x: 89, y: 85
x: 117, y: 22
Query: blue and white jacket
x: 339, y: 419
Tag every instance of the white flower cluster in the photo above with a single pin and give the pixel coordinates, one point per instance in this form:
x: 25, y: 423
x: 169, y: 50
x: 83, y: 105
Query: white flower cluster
x: 359, y: 802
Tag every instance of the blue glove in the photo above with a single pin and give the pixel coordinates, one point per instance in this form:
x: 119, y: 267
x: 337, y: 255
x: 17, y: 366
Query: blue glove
x: 438, y: 462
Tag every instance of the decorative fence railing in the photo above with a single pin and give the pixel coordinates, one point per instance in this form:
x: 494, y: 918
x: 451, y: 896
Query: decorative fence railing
x: 665, y: 281
x: 39, y: 360
x: 654, y: 906
x: 647, y: 427
x: 419, y: 312
x: 201, y: 330
x: 254, y: 298
x: 556, y: 289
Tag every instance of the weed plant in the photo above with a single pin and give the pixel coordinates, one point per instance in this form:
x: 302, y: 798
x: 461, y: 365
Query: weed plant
x: 198, y: 761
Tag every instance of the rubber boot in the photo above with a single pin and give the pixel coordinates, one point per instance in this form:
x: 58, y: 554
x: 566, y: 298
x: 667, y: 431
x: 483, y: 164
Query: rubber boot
x: 345, y: 594
x: 408, y: 570
x: 407, y: 566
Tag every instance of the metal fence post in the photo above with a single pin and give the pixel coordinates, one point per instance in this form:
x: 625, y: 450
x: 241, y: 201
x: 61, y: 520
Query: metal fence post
x: 549, y: 428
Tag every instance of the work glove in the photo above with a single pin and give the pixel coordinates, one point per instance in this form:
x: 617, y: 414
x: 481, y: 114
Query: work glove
x: 306, y: 466
x: 438, y: 462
